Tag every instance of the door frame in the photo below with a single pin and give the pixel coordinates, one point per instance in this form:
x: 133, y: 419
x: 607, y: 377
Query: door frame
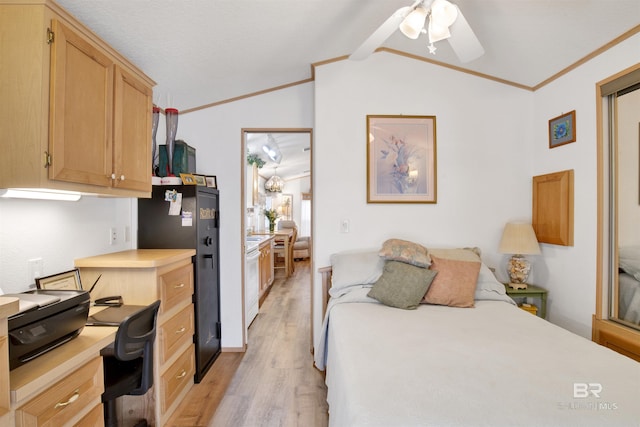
x: 243, y: 214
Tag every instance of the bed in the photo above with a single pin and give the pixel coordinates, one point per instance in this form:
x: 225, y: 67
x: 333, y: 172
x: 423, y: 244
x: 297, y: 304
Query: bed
x: 492, y: 364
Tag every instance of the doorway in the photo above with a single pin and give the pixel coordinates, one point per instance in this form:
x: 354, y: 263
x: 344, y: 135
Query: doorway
x: 279, y: 160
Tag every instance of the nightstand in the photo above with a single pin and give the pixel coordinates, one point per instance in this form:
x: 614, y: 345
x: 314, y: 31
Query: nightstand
x: 533, y: 292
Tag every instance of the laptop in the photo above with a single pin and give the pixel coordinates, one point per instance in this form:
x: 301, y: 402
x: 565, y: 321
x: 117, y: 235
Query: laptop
x: 113, y: 316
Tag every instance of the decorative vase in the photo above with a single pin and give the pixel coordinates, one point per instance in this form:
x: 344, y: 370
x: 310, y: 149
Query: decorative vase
x: 272, y: 227
x: 172, y: 128
x: 154, y: 130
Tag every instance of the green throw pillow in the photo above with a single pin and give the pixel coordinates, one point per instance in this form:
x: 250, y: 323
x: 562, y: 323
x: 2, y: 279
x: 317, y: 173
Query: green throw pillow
x: 402, y: 285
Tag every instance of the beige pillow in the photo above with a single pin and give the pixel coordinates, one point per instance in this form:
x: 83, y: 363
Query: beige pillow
x: 455, y: 283
x: 405, y: 251
x: 462, y: 254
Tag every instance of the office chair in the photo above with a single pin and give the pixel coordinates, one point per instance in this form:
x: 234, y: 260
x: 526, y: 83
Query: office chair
x: 128, y: 362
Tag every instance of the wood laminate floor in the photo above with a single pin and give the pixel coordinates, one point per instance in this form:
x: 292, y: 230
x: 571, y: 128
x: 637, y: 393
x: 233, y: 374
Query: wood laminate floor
x: 274, y: 382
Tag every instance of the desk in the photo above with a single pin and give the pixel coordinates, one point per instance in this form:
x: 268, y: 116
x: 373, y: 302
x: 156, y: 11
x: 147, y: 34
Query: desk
x: 50, y: 376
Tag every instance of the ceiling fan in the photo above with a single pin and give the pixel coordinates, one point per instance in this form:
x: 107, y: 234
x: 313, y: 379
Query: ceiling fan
x: 439, y: 19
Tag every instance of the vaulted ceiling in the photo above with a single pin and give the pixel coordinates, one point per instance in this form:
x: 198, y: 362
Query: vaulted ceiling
x: 202, y: 52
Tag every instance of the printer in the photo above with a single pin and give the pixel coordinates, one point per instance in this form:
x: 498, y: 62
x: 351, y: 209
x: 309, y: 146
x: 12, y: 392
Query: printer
x: 47, y: 318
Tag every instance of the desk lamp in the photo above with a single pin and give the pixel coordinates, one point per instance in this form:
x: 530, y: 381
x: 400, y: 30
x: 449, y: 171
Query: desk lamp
x: 519, y: 239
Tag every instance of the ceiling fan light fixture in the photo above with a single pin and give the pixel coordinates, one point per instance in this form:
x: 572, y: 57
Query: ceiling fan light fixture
x: 413, y: 24
x: 437, y: 32
x: 443, y: 15
x: 272, y: 149
x: 443, y: 12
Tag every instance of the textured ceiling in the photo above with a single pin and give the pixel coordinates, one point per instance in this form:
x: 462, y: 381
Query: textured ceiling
x: 202, y: 52
x: 206, y: 51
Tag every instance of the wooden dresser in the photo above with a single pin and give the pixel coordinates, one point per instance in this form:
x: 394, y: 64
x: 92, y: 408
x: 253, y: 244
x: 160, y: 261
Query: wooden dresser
x: 141, y: 277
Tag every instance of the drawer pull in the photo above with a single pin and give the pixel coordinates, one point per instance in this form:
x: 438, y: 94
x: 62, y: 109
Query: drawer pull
x: 181, y: 330
x: 181, y: 285
x: 76, y: 395
x: 182, y: 375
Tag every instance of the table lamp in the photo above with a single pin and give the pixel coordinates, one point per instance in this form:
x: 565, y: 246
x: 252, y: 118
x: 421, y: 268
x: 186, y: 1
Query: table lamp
x: 519, y: 239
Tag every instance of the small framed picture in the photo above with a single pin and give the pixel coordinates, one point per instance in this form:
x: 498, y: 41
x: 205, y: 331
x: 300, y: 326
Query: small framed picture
x: 199, y: 180
x: 188, y: 179
x: 562, y: 129
x: 69, y: 280
x: 212, y: 181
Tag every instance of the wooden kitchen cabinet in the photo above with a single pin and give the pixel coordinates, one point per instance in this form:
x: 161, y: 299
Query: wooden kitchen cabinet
x: 265, y: 267
x: 76, y: 114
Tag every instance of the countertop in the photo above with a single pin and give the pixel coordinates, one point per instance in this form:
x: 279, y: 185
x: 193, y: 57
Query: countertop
x: 8, y: 306
x: 136, y: 258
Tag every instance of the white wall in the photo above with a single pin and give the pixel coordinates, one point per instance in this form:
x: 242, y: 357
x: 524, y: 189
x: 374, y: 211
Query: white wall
x: 216, y: 134
x: 484, y: 141
x: 570, y: 274
x: 57, y: 232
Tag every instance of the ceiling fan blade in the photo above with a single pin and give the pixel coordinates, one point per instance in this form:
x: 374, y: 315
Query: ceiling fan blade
x: 379, y: 36
x: 463, y: 40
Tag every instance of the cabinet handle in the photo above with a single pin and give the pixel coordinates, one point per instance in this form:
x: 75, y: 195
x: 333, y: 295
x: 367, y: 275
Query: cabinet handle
x: 76, y: 395
x: 121, y: 177
x: 181, y: 285
x: 181, y: 330
x: 182, y: 375
x: 113, y: 176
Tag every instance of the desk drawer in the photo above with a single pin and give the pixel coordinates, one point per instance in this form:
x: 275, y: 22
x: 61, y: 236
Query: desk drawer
x: 176, y: 286
x: 177, y: 377
x: 64, y: 400
x: 95, y: 418
x: 175, y: 332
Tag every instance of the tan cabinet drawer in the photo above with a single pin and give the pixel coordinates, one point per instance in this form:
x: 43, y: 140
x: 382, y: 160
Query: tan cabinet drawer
x: 64, y: 400
x: 176, y: 286
x: 177, y: 377
x: 175, y: 332
x: 95, y: 418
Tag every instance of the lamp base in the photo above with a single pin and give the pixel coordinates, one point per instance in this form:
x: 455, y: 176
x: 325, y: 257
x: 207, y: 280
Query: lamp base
x: 517, y: 285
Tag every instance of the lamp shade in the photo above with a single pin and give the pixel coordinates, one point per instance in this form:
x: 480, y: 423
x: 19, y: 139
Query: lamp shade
x: 413, y: 24
x: 519, y: 238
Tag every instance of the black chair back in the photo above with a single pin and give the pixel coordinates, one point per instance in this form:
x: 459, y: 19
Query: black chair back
x: 134, y: 339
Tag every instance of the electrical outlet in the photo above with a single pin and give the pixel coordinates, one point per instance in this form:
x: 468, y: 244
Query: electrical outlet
x: 113, y: 236
x: 35, y: 267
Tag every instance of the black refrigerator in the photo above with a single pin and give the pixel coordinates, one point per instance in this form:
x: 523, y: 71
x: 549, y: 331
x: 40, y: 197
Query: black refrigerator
x: 195, y: 224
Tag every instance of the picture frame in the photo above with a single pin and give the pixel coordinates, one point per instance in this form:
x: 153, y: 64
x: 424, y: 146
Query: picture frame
x: 188, y: 179
x: 68, y: 280
x: 200, y: 180
x: 401, y: 159
x: 212, y: 181
x: 562, y: 129
x: 286, y: 206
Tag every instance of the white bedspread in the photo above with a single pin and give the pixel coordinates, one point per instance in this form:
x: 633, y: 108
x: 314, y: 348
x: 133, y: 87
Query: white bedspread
x: 492, y: 365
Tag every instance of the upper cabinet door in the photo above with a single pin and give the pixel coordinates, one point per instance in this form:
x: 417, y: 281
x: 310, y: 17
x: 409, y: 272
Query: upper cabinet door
x: 132, y: 112
x: 81, y: 99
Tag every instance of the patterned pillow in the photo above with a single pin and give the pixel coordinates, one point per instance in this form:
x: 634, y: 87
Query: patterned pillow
x: 405, y: 251
x: 402, y: 285
x: 455, y: 283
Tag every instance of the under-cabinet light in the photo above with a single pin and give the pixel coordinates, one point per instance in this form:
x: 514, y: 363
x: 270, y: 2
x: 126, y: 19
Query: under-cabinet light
x: 41, y: 194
